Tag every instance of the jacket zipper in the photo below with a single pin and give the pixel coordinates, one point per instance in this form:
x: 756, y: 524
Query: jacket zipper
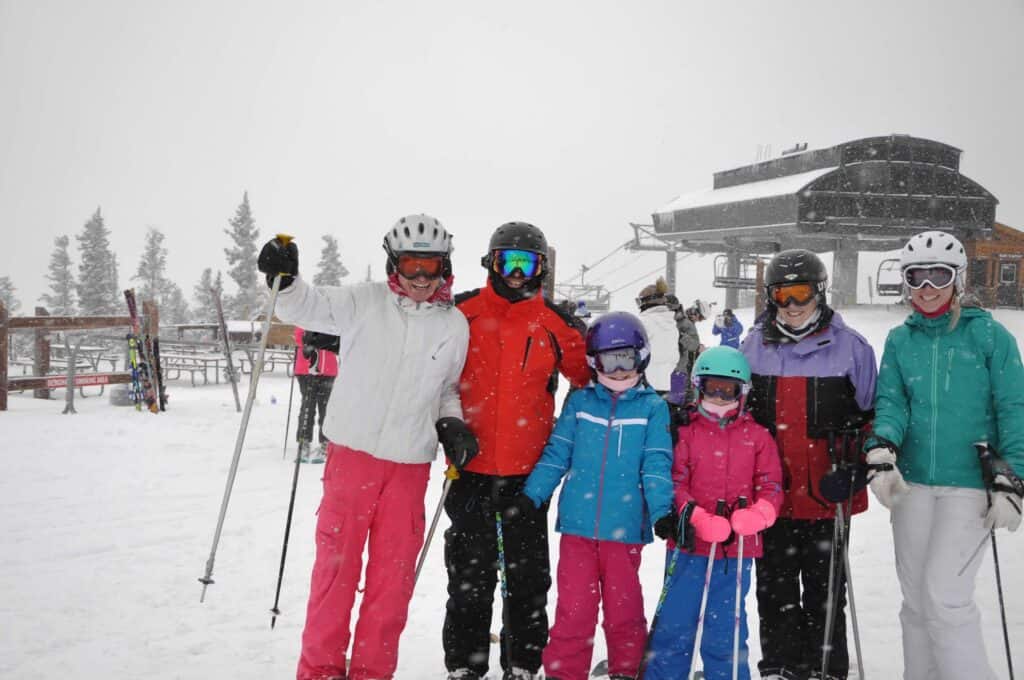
x: 438, y: 350
x: 935, y: 408
x: 618, y: 453
x: 526, y: 354
x: 949, y: 367
x: 604, y: 462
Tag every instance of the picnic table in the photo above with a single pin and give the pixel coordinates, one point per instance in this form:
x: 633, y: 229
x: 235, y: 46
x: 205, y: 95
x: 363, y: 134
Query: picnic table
x: 94, y: 355
x: 173, y: 363
x: 273, y: 357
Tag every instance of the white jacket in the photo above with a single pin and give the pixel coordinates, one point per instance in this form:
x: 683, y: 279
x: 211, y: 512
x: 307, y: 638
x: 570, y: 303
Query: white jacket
x: 400, y: 365
x: 663, y: 334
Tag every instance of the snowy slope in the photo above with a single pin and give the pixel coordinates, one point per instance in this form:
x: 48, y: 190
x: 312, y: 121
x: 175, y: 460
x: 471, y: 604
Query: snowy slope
x: 106, y: 521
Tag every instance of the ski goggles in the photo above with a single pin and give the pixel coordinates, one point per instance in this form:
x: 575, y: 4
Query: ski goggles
x: 508, y: 261
x: 410, y: 266
x: 622, y: 359
x: 785, y: 293
x: 729, y: 389
x: 937, y: 275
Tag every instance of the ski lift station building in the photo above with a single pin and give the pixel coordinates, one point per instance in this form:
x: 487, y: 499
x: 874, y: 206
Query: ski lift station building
x: 869, y: 194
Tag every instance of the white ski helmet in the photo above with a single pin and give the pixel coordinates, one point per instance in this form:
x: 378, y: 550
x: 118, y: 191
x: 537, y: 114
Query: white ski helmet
x: 935, y: 247
x: 418, y: 234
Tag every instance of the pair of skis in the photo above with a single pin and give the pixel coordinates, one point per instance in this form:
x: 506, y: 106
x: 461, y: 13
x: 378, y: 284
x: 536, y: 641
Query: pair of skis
x: 143, y: 361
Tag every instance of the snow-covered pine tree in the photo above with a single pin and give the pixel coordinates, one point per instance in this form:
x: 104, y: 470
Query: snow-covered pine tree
x: 242, y: 259
x: 7, y: 295
x: 152, y: 269
x: 61, y: 298
x: 173, y: 307
x: 97, y: 270
x: 330, y: 271
x: 203, y: 306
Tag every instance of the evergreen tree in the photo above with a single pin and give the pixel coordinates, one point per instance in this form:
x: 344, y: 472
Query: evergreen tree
x: 204, y: 307
x: 152, y: 268
x: 330, y: 271
x: 7, y: 295
x: 242, y: 259
x: 97, y: 270
x: 61, y: 298
x: 173, y: 307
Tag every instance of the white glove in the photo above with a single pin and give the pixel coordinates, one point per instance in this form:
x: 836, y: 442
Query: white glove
x: 887, y: 485
x: 1005, y: 507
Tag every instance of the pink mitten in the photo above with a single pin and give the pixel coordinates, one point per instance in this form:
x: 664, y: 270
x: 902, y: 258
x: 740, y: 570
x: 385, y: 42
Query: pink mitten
x: 710, y: 528
x: 758, y: 517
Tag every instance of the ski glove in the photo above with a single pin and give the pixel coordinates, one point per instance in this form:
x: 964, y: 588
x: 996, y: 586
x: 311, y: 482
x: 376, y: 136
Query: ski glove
x: 710, y: 528
x: 678, y: 384
x: 667, y: 528
x: 460, y: 445
x: 749, y: 521
x: 886, y: 480
x: 842, y: 483
x: 1004, y: 508
x: 276, y: 258
x: 311, y: 354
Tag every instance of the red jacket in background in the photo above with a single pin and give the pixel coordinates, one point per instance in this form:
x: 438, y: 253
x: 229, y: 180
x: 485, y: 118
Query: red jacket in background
x: 515, y: 354
x: 326, y: 363
x: 714, y: 462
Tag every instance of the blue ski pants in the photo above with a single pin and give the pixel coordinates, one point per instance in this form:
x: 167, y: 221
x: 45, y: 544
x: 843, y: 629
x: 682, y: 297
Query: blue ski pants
x: 675, y: 630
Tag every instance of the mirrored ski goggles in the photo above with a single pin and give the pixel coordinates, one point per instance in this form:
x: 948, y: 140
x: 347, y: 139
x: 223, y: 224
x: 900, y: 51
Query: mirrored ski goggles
x: 729, y: 389
x: 800, y: 293
x: 507, y: 261
x: 938, y: 275
x: 611, y: 360
x: 410, y: 266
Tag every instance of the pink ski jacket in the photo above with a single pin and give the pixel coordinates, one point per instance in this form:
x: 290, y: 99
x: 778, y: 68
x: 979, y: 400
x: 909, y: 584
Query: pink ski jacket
x: 713, y: 462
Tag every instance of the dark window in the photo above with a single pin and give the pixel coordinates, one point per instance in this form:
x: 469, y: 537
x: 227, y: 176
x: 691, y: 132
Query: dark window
x: 945, y: 183
x: 920, y: 179
x: 948, y: 158
x: 900, y: 178
x: 900, y: 152
x: 1007, y: 273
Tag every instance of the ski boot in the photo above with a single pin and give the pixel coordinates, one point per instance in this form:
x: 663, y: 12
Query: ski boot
x: 517, y: 673
x: 463, y: 674
x: 318, y: 456
x: 303, y: 455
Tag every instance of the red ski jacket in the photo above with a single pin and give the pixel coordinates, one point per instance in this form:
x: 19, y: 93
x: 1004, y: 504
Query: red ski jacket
x: 508, y: 384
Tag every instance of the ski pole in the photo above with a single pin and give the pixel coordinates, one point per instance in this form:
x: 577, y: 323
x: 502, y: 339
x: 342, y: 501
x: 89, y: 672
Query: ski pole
x: 291, y: 394
x: 232, y: 376
x: 830, y: 605
x: 506, y: 632
x: 848, y: 571
x: 985, y: 456
x: 257, y: 369
x: 699, y: 675
x: 305, y: 426
x: 739, y: 603
x: 450, y: 475
x: 284, y: 547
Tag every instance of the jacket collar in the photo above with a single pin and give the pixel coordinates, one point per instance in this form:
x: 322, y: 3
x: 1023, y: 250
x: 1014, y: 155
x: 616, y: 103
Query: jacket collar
x: 940, y: 324
x: 496, y: 301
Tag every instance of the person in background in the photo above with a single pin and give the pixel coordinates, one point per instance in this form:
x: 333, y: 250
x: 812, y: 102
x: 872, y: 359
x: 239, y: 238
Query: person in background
x: 951, y: 377
x: 518, y: 344
x: 728, y: 328
x: 404, y: 345
x: 813, y: 383
x: 610, y: 497
x: 315, y: 369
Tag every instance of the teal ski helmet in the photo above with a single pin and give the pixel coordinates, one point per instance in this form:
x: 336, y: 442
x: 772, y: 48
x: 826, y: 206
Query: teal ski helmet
x: 722, y: 362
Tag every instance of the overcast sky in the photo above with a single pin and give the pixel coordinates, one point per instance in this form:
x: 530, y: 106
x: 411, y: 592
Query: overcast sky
x: 338, y: 117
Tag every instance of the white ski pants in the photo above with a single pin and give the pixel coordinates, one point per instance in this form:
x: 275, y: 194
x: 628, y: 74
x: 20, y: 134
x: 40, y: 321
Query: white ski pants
x: 935, y: 529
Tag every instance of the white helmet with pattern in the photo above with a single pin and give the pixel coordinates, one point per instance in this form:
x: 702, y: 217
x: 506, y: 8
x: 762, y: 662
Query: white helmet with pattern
x: 418, y: 234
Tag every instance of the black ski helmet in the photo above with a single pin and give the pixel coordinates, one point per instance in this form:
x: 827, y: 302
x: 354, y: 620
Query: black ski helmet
x: 795, y: 266
x: 516, y: 236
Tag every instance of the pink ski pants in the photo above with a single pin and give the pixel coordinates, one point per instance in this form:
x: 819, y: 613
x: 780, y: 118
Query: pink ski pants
x: 363, y: 497
x: 590, y: 573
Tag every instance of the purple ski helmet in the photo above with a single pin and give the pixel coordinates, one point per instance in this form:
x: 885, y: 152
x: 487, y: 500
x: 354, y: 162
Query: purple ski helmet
x: 618, y: 330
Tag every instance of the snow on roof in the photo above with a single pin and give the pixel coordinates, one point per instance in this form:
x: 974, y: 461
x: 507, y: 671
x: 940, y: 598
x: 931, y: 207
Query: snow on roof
x: 780, y: 186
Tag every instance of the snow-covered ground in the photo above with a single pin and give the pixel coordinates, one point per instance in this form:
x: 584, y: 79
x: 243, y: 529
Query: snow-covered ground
x: 107, y: 517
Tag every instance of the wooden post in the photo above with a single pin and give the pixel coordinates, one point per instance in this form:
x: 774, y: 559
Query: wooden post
x: 3, y: 357
x: 41, y: 355
x: 759, y: 288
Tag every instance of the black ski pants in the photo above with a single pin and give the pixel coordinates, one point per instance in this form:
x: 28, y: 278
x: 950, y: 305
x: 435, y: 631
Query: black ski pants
x: 471, y: 557
x: 315, y: 391
x: 796, y: 554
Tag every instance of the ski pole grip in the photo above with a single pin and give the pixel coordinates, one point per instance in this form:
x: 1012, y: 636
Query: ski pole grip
x: 720, y: 507
x: 284, y: 240
x: 985, y: 457
x: 742, y: 501
x: 451, y: 473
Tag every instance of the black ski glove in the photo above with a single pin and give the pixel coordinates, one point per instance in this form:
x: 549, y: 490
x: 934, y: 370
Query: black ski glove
x: 841, y: 484
x: 278, y: 258
x: 667, y: 527
x: 311, y: 354
x: 460, y: 445
x: 331, y: 343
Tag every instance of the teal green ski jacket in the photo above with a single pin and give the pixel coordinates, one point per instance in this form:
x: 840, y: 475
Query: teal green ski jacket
x: 940, y: 391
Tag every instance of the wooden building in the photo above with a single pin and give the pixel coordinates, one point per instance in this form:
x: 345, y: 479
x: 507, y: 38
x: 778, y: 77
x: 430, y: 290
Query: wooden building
x: 994, y: 267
